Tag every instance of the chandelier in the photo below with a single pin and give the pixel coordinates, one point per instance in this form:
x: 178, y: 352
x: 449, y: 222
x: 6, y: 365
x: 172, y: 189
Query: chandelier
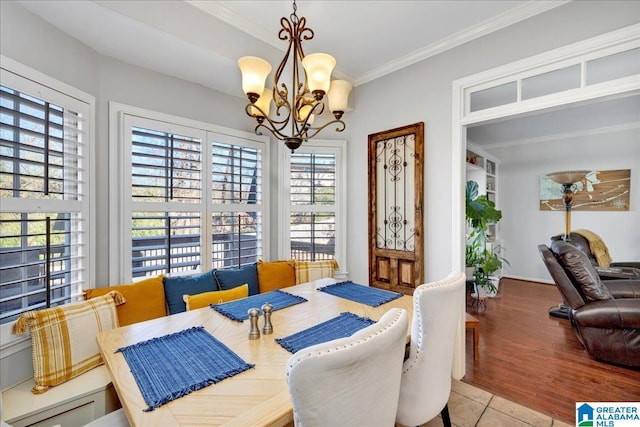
x: 297, y: 106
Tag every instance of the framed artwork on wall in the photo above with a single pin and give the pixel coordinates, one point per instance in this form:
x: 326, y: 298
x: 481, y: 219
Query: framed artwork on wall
x: 597, y: 191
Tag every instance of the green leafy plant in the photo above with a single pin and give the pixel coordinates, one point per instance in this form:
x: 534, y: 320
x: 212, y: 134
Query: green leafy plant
x: 480, y: 212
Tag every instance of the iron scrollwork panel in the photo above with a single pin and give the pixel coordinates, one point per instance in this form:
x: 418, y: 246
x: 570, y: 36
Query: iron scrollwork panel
x: 395, y: 198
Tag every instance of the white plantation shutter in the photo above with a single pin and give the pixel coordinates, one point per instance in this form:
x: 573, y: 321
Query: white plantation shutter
x: 313, y: 205
x: 45, y: 202
x: 236, y: 199
x: 163, y: 197
x: 192, y: 198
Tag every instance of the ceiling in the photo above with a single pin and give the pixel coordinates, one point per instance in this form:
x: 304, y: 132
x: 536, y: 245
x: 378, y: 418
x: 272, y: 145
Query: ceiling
x: 603, y: 116
x: 201, y: 40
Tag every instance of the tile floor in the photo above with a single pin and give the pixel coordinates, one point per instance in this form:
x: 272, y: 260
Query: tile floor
x: 472, y: 407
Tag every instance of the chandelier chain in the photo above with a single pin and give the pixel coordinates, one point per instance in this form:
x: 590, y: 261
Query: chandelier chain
x: 294, y: 15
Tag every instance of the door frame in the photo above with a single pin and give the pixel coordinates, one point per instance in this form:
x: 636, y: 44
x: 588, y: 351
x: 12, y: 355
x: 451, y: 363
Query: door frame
x: 462, y: 118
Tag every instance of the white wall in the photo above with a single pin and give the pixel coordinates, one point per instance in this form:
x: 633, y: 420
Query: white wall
x: 524, y: 226
x: 423, y: 92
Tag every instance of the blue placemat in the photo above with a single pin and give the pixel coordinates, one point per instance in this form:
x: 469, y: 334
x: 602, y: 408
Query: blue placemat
x: 175, y: 365
x: 237, y: 310
x: 360, y: 293
x: 342, y: 326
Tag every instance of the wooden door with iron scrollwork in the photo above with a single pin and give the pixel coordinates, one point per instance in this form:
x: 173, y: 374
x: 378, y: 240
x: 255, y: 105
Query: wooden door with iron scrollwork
x: 396, y: 239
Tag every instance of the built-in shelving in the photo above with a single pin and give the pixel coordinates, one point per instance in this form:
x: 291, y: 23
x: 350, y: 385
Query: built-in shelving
x: 483, y: 169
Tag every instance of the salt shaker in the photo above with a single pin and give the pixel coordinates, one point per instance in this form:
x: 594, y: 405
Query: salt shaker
x: 254, y: 332
x: 267, y: 309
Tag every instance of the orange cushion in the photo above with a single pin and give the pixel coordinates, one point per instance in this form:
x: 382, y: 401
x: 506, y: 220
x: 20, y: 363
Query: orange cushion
x: 145, y: 300
x: 194, y: 302
x: 275, y: 275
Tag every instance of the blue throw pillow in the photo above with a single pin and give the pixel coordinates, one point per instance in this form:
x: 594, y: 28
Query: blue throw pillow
x: 228, y: 279
x: 176, y: 287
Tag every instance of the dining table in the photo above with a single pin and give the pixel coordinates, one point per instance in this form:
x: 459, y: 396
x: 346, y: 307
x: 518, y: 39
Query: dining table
x: 255, y: 397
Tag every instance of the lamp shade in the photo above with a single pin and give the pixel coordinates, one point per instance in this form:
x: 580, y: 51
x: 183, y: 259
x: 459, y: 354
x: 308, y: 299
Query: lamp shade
x: 304, y: 111
x: 568, y: 177
x: 264, y: 102
x: 254, y: 74
x: 318, y: 67
x: 338, y: 95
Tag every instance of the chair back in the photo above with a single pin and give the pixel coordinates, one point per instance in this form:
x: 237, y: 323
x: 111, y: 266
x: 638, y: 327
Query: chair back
x: 426, y: 374
x: 580, y: 242
x: 351, y: 381
x: 570, y: 294
x: 581, y: 273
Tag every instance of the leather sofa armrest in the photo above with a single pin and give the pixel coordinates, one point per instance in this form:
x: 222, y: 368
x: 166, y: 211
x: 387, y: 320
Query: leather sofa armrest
x: 612, y: 314
x: 630, y: 264
x: 623, y: 288
x: 618, y: 272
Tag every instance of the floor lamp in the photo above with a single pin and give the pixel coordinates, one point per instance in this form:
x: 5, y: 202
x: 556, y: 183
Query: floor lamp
x: 567, y: 180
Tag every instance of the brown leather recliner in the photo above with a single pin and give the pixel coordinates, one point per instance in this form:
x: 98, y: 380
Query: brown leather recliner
x: 606, y: 319
x: 615, y: 270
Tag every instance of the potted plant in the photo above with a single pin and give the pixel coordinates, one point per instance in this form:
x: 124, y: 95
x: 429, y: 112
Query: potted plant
x: 471, y: 259
x: 480, y: 212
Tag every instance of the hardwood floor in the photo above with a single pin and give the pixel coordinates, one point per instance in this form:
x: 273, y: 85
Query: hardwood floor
x: 536, y: 360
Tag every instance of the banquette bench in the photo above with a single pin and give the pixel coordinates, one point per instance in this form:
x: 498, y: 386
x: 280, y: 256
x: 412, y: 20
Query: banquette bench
x: 87, y: 393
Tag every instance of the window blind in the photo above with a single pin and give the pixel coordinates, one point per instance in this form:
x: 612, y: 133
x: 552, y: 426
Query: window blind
x: 236, y: 173
x: 313, y: 213
x: 165, y: 167
x: 43, y: 250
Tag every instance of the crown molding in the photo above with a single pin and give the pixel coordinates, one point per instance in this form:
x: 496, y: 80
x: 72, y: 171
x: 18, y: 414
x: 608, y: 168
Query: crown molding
x: 236, y: 20
x: 503, y: 20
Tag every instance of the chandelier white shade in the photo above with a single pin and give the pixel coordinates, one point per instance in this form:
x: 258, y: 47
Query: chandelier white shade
x: 297, y: 106
x: 338, y: 96
x: 254, y: 74
x: 318, y: 67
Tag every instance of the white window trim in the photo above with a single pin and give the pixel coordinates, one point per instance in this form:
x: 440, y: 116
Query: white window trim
x: 10, y: 344
x: 118, y: 254
x: 339, y: 148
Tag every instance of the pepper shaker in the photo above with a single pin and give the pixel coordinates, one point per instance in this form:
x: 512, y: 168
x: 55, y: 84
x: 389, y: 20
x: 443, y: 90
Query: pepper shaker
x: 254, y: 331
x: 267, y: 309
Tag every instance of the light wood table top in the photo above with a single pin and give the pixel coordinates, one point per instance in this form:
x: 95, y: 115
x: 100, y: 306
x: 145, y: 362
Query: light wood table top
x: 258, y: 396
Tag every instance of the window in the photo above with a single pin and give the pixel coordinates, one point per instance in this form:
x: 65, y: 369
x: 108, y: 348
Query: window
x: 45, y: 181
x: 192, y: 196
x: 236, y: 198
x: 313, y: 193
x: 316, y: 202
x: 166, y: 187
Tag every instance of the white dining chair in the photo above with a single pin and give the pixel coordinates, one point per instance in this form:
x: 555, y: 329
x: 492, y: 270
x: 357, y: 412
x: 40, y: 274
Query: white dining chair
x: 426, y: 374
x: 351, y: 381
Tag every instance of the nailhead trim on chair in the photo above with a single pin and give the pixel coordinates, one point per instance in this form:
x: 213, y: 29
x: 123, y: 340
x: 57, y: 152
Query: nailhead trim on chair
x: 344, y: 347
x: 416, y: 312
